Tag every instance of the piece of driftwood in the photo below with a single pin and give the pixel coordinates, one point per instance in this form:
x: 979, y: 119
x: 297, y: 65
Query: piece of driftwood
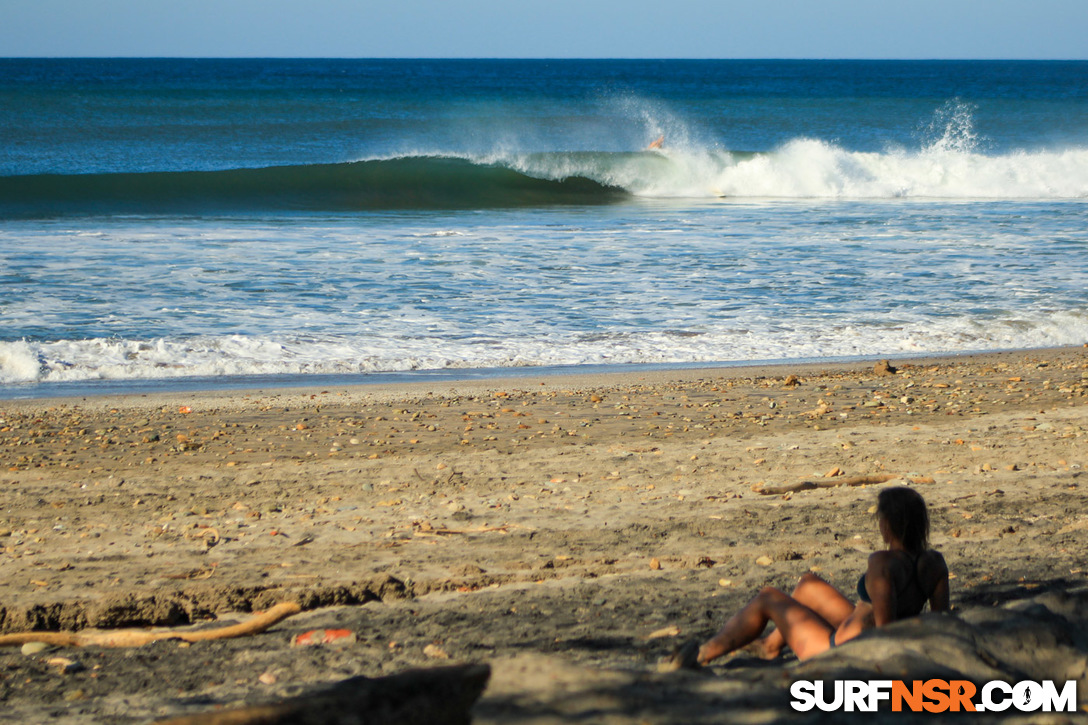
x: 834, y: 482
x: 432, y: 696
x: 139, y: 637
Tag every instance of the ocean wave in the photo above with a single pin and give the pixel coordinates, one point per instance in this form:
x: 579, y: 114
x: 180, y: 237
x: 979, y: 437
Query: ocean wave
x: 801, y: 169
x: 415, y: 182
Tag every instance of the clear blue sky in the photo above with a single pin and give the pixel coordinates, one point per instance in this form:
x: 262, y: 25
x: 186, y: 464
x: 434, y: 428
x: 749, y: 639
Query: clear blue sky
x: 547, y: 28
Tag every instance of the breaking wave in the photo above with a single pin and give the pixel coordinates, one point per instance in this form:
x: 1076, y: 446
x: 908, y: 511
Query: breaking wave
x: 801, y: 169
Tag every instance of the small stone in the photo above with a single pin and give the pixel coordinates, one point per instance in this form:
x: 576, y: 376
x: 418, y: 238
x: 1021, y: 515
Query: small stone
x: 267, y: 678
x: 671, y: 631
x: 435, y: 652
x: 764, y: 560
x: 655, y: 564
x: 65, y: 665
x: 791, y: 381
x: 884, y: 368
x: 324, y: 636
x: 33, y: 648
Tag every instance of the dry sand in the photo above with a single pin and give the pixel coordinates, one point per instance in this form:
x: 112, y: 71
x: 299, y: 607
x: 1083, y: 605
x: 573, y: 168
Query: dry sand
x: 568, y: 531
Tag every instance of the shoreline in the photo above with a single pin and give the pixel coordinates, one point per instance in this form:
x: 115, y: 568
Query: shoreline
x: 569, y: 531
x: 387, y: 385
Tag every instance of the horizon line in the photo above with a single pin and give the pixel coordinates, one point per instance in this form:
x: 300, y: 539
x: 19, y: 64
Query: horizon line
x: 919, y: 59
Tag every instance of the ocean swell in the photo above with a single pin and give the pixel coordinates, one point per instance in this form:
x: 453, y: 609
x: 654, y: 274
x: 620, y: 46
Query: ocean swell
x: 801, y: 169
x: 417, y: 182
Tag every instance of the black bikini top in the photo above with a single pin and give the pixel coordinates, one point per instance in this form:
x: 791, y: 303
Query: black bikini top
x: 863, y: 593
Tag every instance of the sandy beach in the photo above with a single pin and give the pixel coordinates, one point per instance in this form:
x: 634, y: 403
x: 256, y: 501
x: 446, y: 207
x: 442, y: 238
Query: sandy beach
x: 567, y: 531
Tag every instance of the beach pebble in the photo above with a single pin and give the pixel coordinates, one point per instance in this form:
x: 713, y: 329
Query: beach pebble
x: 884, y: 368
x: 267, y: 678
x: 324, y: 636
x: 764, y: 560
x: 435, y: 652
x: 655, y: 564
x: 65, y: 665
x: 670, y: 631
x: 33, y: 648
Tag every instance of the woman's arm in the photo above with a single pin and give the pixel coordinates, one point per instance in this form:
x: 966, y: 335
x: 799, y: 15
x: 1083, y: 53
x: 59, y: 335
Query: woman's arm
x: 881, y: 588
x: 938, y: 601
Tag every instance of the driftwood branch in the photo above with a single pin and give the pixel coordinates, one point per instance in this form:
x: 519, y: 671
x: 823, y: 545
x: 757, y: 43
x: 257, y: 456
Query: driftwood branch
x: 836, y: 482
x: 139, y: 637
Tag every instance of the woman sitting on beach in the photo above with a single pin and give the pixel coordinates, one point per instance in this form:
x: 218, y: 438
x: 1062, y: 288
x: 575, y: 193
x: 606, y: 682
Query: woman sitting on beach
x: 897, y: 584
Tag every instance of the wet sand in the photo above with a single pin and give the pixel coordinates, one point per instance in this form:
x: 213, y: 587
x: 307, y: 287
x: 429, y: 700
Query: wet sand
x: 567, y: 531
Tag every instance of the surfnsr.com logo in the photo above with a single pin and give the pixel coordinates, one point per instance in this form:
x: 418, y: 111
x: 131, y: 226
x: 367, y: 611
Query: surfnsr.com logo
x: 932, y: 696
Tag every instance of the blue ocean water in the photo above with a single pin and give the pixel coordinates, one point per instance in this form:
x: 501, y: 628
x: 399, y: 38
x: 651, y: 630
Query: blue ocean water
x: 238, y: 220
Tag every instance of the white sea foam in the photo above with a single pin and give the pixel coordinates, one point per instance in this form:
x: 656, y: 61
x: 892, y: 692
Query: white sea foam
x: 815, y: 169
x: 19, y: 363
x: 234, y: 355
x: 950, y: 163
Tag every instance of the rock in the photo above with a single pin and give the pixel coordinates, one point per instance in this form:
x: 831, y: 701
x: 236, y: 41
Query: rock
x: 671, y: 631
x: 433, y: 696
x: 435, y: 652
x: 764, y: 560
x: 65, y: 665
x: 33, y: 648
x: 884, y: 368
x: 467, y: 569
x: 791, y: 381
x: 324, y: 636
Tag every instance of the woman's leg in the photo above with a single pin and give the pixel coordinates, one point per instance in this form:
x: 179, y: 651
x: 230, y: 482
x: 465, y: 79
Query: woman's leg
x: 820, y: 597
x: 805, y: 631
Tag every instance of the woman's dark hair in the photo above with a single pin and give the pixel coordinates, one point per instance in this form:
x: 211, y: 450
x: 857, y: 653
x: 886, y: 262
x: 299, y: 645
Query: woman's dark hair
x: 904, y: 511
